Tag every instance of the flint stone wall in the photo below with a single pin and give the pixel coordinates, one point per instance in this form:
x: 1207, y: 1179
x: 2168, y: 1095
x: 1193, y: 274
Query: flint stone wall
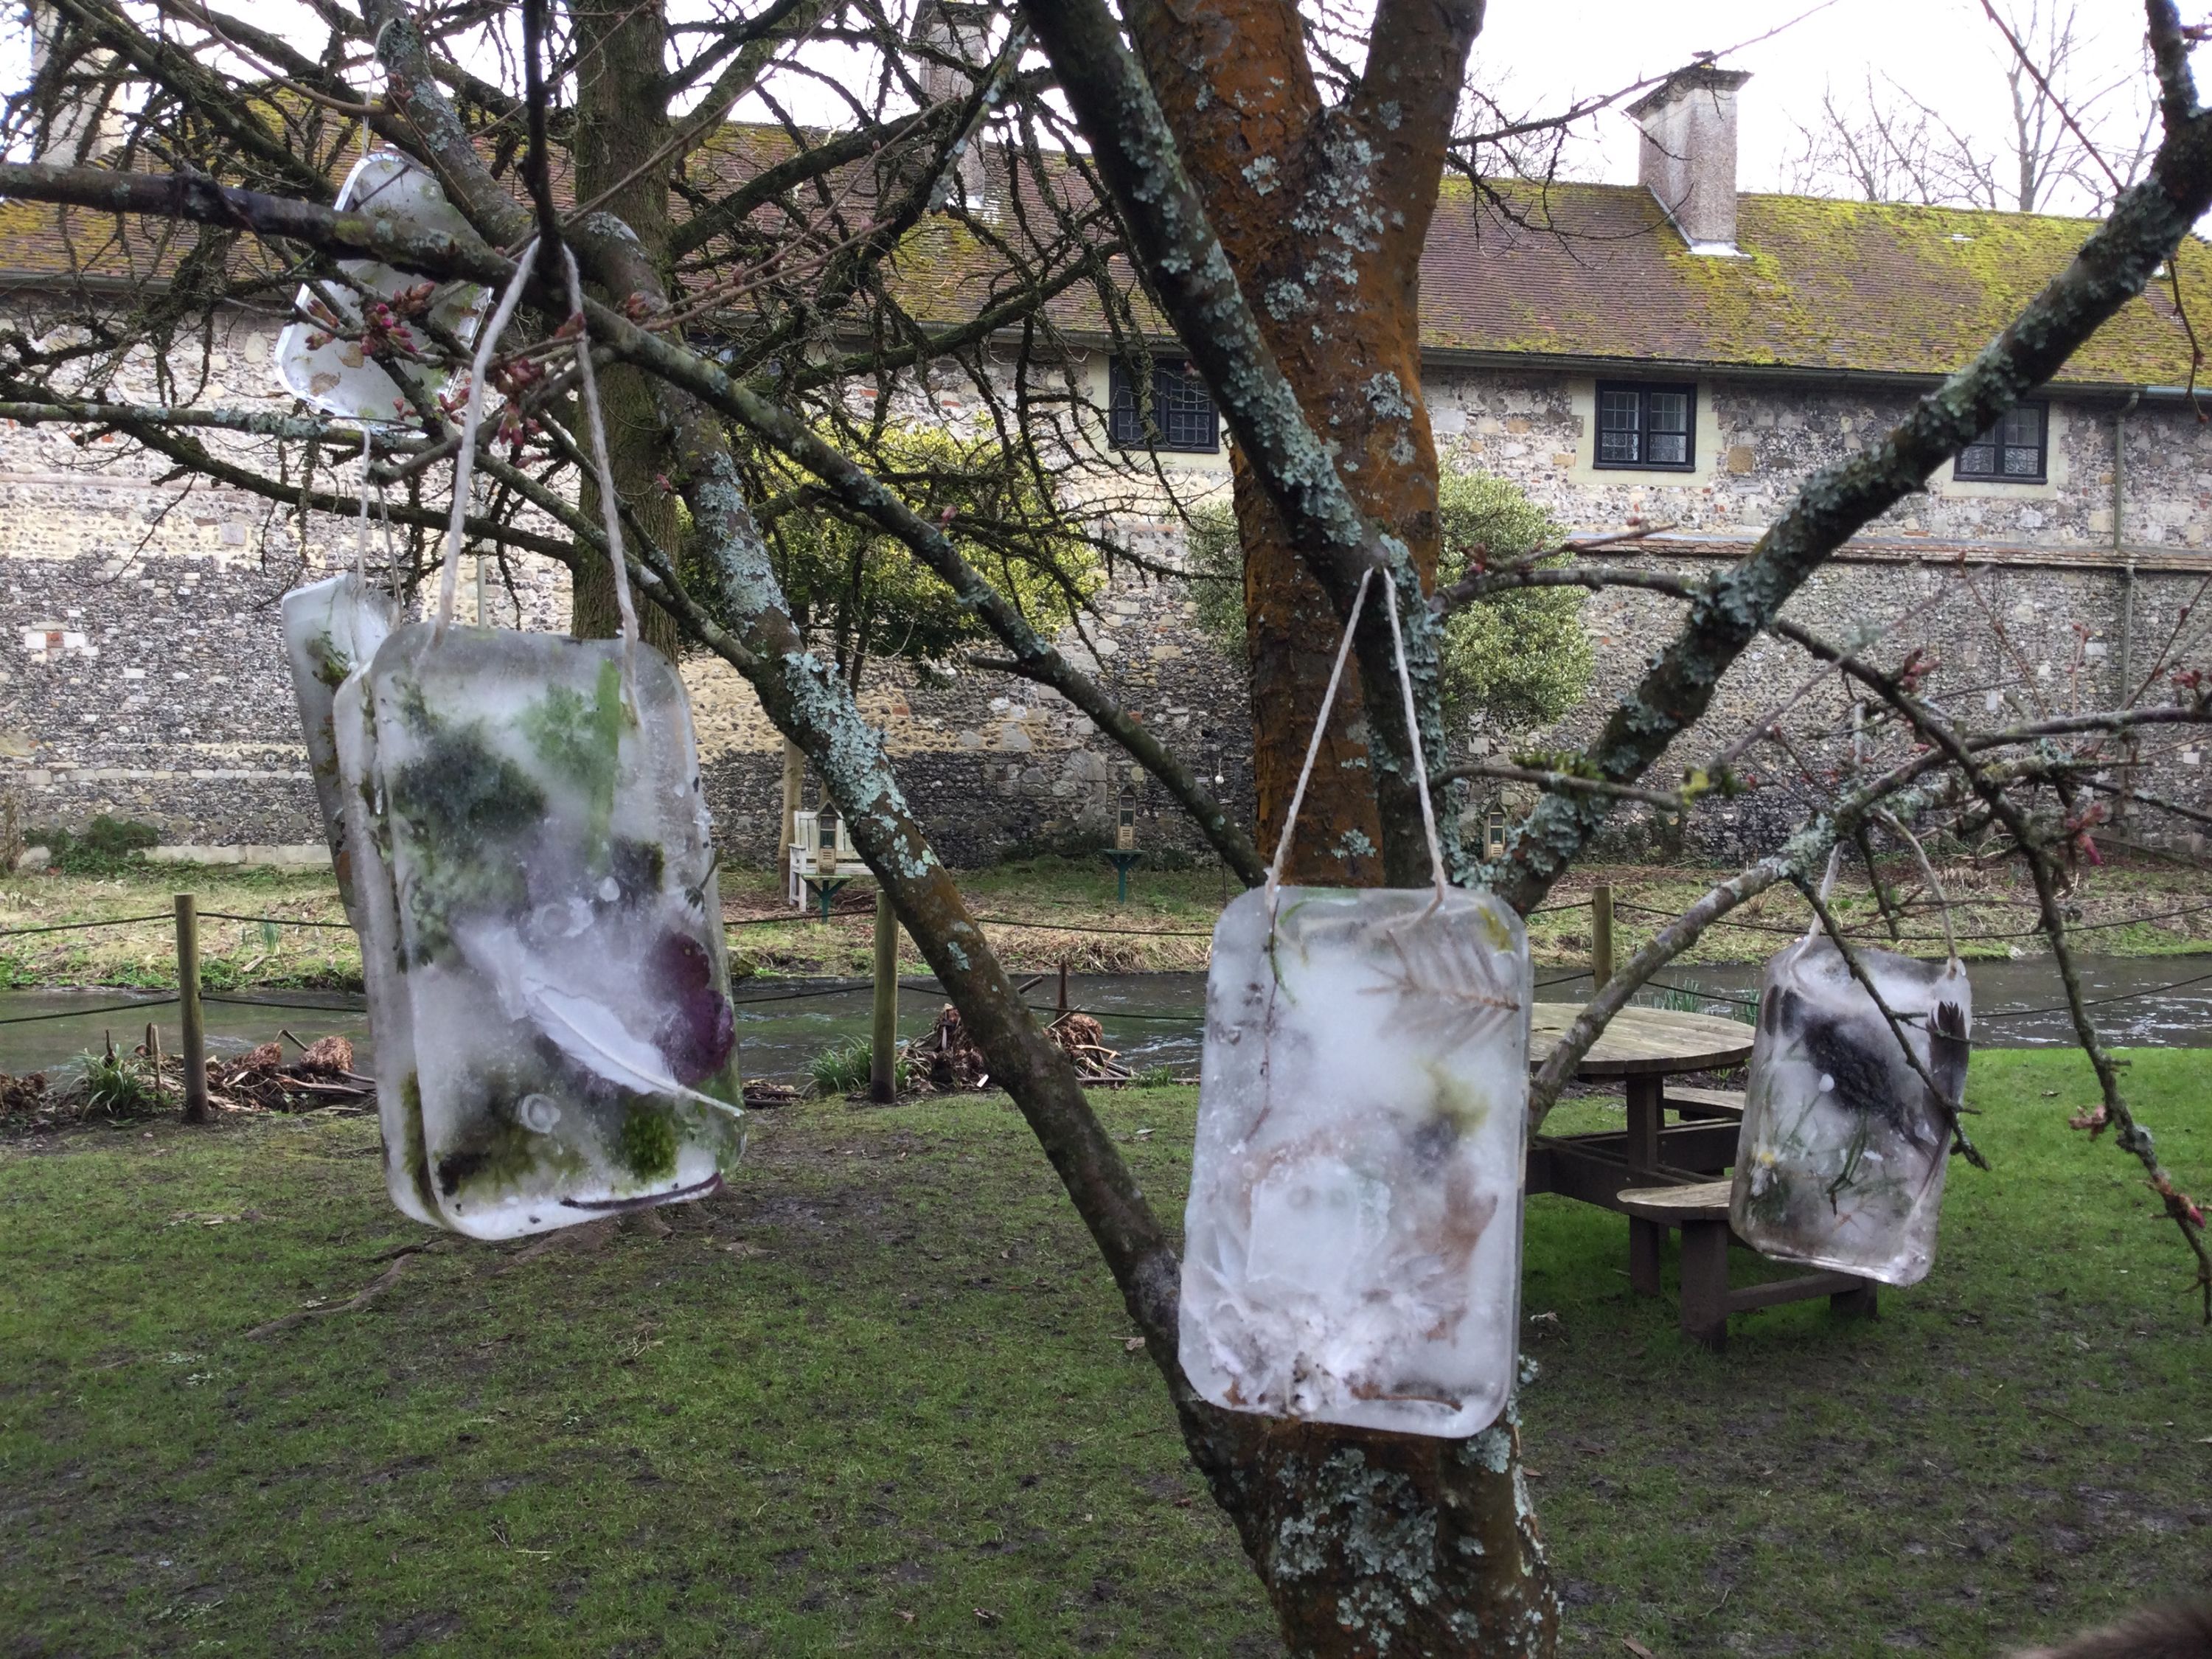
x: 143, y: 673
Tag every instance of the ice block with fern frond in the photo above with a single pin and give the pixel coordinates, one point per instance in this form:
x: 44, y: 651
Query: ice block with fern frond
x: 1352, y: 1242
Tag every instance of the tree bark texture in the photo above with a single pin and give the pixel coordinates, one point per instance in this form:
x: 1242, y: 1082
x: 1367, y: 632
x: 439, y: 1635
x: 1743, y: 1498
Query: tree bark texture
x: 1322, y: 213
x: 621, y: 126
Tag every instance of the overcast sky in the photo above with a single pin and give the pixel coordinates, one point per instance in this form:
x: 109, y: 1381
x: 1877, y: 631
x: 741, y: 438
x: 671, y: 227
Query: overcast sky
x: 1542, y: 53
x: 1944, y: 50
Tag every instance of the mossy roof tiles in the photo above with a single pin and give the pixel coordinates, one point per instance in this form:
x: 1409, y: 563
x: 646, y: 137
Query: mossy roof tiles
x: 1595, y: 272
x: 1567, y: 273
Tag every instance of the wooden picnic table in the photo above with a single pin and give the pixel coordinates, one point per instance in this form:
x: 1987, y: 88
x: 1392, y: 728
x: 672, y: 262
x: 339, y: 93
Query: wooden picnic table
x: 1643, y: 1047
x: 1660, y: 1174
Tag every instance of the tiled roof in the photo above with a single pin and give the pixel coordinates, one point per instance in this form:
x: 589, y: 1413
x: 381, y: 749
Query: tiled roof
x: 1594, y: 271
x: 1572, y: 272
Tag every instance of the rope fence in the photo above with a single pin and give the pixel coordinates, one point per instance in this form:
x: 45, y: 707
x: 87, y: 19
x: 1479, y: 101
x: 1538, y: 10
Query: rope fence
x: 279, y: 1002
x: 848, y: 987
x: 277, y: 921
x: 88, y: 1013
x: 2099, y: 1002
x: 74, y: 927
x: 868, y: 915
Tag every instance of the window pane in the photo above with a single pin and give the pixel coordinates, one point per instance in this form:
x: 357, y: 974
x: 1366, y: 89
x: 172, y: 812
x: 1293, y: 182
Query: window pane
x: 2021, y: 462
x: 1183, y: 408
x: 1617, y: 446
x: 1670, y: 412
x: 2023, y: 426
x: 1125, y: 423
x: 1669, y: 449
x: 1979, y: 458
x: 1619, y: 411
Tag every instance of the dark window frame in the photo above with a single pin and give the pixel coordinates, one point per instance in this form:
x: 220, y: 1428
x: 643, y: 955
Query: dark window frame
x: 1176, y: 422
x: 1643, y: 431
x: 1996, y: 442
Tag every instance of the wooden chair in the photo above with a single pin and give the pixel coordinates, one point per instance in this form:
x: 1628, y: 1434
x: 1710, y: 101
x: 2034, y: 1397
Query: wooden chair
x: 1701, y: 1212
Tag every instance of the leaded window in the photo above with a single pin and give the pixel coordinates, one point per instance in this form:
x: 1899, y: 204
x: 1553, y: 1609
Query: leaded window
x: 1182, y: 414
x: 1647, y: 427
x: 2014, y: 450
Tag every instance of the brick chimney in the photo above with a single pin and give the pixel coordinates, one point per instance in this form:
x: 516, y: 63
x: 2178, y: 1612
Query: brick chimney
x: 1687, y: 155
x: 72, y: 121
x: 961, y: 30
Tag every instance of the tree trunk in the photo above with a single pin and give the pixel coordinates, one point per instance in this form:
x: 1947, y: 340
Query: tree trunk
x: 1374, y: 1544
x: 1369, y: 1543
x: 622, y: 123
x: 1290, y: 635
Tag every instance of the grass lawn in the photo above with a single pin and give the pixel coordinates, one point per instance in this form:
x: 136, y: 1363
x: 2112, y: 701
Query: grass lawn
x: 878, y: 1398
x: 1051, y: 910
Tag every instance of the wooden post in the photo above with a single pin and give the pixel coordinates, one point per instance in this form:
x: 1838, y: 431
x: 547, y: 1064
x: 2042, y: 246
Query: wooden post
x: 883, y: 1048
x: 1600, y: 936
x: 1063, y: 985
x: 194, y: 1035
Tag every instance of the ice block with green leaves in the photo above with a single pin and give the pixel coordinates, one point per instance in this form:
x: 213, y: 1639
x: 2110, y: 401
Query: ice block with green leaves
x: 558, y: 948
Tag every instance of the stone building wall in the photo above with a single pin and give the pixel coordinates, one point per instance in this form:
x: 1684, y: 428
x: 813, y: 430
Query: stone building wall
x: 142, y: 674
x: 2016, y: 593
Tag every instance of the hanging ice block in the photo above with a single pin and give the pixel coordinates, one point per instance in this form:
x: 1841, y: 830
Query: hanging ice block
x: 560, y: 940
x: 1352, y: 1243
x: 331, y: 629
x: 316, y: 360
x: 1843, y: 1149
x: 375, y: 910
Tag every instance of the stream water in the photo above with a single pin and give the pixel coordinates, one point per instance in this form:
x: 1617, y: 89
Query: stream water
x: 1152, y: 1019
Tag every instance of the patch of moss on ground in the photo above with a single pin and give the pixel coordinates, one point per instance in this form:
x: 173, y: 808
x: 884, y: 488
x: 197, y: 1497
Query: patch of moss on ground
x: 885, y: 1375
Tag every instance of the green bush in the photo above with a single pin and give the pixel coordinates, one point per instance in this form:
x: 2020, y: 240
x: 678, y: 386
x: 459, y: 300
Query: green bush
x: 118, y: 1087
x: 1520, y: 659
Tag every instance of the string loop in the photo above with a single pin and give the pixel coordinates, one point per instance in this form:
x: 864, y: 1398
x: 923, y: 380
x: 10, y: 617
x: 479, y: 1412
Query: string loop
x: 464, y: 464
x: 609, y: 503
x: 361, y: 530
x: 1320, y: 726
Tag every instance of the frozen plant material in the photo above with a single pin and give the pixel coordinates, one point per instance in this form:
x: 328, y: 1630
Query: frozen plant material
x: 328, y: 355
x: 374, y: 907
x: 559, y: 940
x: 1353, y: 1247
x: 331, y: 629
x: 1843, y: 1149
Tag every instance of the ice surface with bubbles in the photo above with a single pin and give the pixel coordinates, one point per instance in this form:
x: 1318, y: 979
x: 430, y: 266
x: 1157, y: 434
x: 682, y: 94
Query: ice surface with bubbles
x: 1352, y: 1243
x: 1845, y: 1146
x: 547, y: 958
x: 331, y: 628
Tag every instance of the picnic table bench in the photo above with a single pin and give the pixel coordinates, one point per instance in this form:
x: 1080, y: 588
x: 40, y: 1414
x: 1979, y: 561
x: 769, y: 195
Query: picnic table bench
x: 1660, y: 1174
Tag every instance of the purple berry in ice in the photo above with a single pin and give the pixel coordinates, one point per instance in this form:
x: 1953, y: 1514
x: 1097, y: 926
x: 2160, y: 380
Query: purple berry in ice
x: 697, y: 1029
